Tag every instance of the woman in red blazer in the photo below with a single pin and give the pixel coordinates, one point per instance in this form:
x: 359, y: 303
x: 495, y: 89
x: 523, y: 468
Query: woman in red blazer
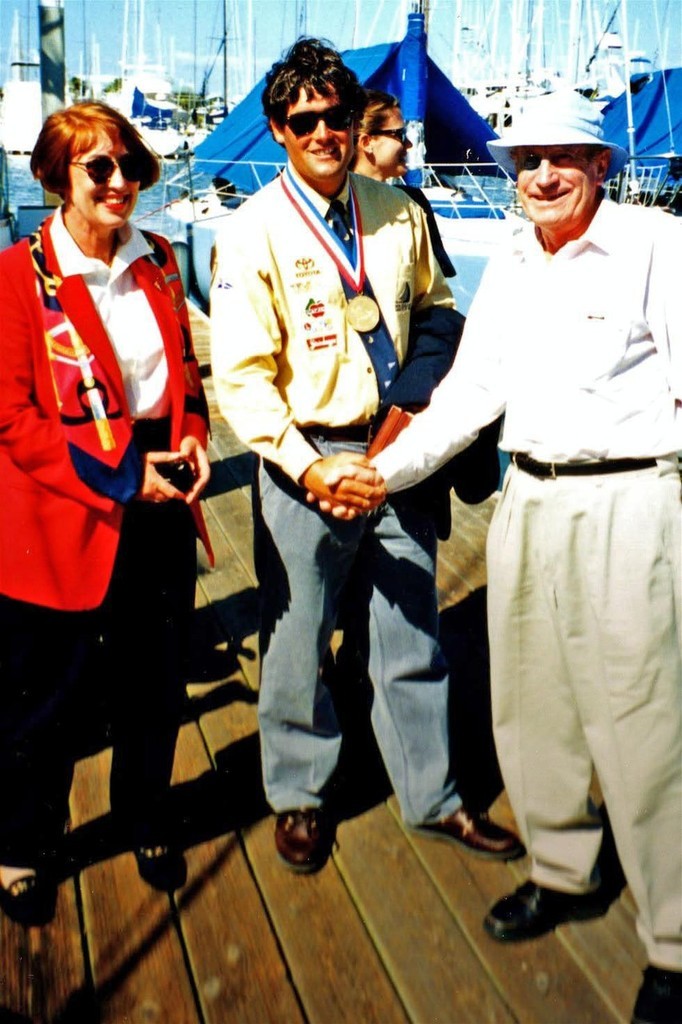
x: 103, y: 428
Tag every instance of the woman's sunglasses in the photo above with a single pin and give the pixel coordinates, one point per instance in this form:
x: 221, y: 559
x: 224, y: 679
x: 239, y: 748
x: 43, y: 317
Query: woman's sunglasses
x: 400, y: 134
x: 337, y: 119
x: 100, y: 168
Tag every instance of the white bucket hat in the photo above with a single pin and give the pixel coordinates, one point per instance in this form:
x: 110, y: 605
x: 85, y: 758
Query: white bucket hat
x: 557, y: 119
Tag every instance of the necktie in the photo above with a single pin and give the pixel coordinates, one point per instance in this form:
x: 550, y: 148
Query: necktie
x: 378, y: 341
x: 337, y: 218
x: 379, y: 346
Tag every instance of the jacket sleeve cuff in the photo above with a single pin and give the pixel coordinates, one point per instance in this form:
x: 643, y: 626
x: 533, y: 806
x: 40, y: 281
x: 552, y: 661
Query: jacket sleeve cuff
x: 296, y: 455
x: 195, y: 426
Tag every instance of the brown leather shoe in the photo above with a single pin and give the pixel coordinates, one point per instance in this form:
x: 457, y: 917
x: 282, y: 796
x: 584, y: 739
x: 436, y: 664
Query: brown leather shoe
x: 303, y: 839
x: 476, y: 833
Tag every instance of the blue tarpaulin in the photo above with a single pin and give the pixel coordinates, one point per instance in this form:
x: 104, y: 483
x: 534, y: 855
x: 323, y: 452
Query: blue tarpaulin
x: 144, y: 109
x: 656, y: 115
x: 454, y: 132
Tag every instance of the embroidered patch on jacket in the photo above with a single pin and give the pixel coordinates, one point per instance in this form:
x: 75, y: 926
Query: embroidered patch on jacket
x: 403, y: 300
x: 315, y: 308
x: 317, y: 341
x: 305, y: 267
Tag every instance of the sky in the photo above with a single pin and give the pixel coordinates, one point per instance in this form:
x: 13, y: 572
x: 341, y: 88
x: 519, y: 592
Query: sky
x: 467, y: 38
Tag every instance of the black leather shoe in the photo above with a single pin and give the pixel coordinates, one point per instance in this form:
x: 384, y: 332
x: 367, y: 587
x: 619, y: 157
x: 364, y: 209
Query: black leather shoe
x: 476, y: 833
x: 303, y: 839
x: 533, y: 910
x: 660, y: 998
x: 30, y: 900
x: 162, y: 867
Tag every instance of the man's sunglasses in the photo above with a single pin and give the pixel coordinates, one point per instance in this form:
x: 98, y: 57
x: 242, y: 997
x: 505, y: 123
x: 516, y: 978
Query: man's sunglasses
x: 100, y: 168
x: 337, y: 119
x: 400, y: 134
x: 572, y: 156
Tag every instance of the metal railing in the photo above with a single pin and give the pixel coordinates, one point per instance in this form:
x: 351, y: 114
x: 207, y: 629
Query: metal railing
x: 646, y: 181
x: 7, y: 225
x: 196, y: 193
x: 470, y: 190
x: 455, y: 190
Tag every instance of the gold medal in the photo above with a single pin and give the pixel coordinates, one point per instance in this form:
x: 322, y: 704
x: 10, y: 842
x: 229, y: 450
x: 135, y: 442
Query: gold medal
x: 362, y: 313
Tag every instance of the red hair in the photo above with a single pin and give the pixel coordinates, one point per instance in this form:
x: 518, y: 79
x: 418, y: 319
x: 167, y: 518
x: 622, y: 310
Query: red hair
x: 70, y: 132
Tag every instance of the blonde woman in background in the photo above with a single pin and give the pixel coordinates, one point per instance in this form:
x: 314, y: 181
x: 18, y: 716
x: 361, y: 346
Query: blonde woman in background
x: 381, y: 146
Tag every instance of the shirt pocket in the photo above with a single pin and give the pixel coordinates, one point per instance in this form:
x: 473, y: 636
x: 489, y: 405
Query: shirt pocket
x: 603, y: 345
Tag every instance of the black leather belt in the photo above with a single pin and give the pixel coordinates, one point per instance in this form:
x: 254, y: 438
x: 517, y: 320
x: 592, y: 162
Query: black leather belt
x: 550, y: 470
x: 353, y: 432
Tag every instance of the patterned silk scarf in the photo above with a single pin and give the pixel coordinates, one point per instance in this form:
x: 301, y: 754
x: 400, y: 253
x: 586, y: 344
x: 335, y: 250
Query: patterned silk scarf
x: 97, y: 430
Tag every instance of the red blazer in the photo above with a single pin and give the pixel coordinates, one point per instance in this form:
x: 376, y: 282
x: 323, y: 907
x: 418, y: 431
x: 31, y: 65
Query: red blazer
x: 58, y: 538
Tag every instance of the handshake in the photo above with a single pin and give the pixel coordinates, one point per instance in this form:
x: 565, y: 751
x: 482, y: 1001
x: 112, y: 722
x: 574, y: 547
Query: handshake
x: 346, y: 485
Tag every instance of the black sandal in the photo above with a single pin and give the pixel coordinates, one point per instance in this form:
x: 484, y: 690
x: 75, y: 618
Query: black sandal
x: 162, y: 867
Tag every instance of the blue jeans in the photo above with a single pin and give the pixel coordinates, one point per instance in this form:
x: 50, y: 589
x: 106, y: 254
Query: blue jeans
x: 303, y: 559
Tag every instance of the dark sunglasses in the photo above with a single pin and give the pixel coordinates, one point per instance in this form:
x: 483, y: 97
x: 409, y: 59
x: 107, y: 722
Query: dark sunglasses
x: 100, y: 168
x: 400, y: 134
x: 576, y: 156
x: 337, y: 119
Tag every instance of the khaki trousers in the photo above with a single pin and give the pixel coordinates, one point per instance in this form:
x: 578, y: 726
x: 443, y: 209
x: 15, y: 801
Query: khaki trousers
x: 584, y: 580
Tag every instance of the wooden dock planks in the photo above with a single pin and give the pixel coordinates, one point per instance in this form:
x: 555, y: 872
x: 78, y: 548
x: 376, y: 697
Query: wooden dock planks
x: 426, y: 954
x: 232, y: 953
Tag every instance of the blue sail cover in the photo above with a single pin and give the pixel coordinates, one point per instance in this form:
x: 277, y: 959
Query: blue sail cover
x: 454, y: 132
x: 144, y: 109
x: 656, y: 114
x: 413, y: 69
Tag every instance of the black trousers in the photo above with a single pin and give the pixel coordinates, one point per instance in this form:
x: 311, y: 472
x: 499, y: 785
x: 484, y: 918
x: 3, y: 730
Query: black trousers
x: 146, y: 623
x: 134, y: 646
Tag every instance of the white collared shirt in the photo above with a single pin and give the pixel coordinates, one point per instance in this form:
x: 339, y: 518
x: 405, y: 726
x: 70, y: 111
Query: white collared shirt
x: 125, y: 313
x: 582, y: 351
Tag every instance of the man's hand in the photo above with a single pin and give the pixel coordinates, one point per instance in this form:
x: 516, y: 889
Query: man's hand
x: 346, y: 485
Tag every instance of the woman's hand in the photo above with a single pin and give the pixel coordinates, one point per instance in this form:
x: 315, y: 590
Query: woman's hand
x: 156, y: 488
x: 194, y: 452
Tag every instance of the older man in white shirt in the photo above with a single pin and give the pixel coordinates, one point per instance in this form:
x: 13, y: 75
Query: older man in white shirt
x: 576, y: 335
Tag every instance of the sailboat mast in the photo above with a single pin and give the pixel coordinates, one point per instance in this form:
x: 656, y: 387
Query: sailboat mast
x: 356, y: 24
x: 628, y: 87
x: 224, y: 58
x: 52, y: 75
x: 573, y: 54
x: 124, y: 40
x: 251, y: 47
x: 412, y: 69
x: 141, y: 53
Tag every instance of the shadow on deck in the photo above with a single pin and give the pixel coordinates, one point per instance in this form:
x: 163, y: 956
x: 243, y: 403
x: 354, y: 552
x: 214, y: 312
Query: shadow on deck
x: 389, y: 931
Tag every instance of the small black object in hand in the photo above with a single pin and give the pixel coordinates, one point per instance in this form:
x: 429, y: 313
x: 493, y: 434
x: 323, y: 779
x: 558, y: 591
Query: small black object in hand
x: 179, y: 474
